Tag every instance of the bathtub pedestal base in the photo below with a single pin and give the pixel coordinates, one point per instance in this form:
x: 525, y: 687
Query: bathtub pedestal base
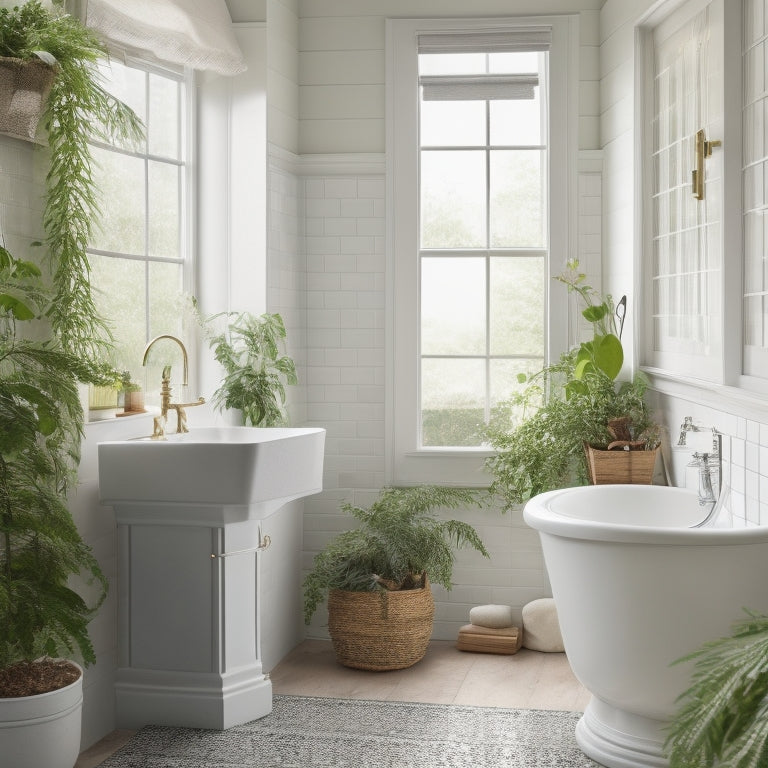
x: 618, y: 739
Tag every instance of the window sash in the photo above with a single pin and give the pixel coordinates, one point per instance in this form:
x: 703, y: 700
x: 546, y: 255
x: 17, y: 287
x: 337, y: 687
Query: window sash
x: 406, y: 462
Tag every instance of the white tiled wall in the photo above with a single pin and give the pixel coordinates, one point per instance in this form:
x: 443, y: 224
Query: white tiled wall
x: 345, y: 320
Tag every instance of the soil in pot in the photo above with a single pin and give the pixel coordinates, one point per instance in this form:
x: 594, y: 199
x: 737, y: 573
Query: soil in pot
x: 32, y: 678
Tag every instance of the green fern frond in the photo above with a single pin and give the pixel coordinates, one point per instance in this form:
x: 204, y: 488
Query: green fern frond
x: 723, y: 717
x: 399, y: 537
x: 255, y: 371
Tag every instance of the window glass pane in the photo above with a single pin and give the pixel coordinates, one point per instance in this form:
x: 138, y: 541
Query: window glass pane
x: 453, y: 199
x: 120, y: 296
x: 451, y: 63
x: 166, y: 298
x: 517, y: 306
x: 164, y: 203
x: 504, y: 385
x: 452, y: 402
x: 517, y: 199
x: 522, y: 62
x: 129, y: 85
x: 452, y: 123
x: 120, y: 180
x: 164, y: 114
x: 516, y: 122
x: 453, y: 306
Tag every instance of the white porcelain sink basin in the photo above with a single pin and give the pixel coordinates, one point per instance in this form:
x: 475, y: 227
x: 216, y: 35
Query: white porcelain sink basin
x: 253, y: 467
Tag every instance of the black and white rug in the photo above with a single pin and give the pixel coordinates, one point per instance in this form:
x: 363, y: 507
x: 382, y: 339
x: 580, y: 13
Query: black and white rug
x: 312, y: 732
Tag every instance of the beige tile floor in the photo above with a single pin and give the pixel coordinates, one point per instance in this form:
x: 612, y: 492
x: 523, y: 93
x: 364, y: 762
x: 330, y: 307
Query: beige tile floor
x: 526, y: 680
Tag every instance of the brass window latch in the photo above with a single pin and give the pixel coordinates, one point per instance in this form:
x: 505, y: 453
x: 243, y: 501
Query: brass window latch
x: 703, y: 150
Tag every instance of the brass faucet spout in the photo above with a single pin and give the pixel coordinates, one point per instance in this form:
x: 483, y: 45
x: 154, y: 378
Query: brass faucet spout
x: 165, y: 391
x: 184, y: 356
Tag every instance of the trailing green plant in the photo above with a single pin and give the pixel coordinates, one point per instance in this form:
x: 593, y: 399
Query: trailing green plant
x: 398, y: 540
x: 77, y: 111
x: 723, y: 716
x: 539, y: 433
x: 256, y: 373
x: 40, y: 429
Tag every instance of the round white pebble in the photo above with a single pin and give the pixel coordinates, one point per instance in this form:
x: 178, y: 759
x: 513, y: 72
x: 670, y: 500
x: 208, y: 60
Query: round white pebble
x: 493, y: 616
x: 541, y: 629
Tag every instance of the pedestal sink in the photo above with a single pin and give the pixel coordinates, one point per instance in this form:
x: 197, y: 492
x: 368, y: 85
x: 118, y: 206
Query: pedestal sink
x: 193, y: 516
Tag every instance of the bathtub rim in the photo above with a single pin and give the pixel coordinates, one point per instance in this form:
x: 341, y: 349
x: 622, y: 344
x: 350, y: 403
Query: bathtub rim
x: 538, y: 514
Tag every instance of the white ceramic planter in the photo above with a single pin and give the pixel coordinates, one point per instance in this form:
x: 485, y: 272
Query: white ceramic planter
x: 42, y: 731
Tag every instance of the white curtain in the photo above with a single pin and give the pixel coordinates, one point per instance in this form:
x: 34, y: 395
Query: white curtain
x: 191, y: 33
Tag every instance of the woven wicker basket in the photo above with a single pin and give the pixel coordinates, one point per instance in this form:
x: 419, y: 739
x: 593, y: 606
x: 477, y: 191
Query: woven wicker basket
x: 380, y: 631
x: 606, y: 467
x: 24, y: 88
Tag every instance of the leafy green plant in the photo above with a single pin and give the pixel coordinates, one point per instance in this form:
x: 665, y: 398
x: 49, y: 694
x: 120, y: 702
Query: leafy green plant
x: 256, y: 372
x: 540, y: 432
x: 40, y: 429
x: 723, y: 716
x: 78, y: 109
x: 398, y: 540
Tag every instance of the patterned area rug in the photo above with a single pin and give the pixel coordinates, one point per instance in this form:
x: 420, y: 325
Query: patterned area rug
x: 310, y: 732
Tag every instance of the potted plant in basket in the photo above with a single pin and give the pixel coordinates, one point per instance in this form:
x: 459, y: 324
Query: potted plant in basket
x: 377, y: 576
x: 573, y: 417
x: 41, y: 616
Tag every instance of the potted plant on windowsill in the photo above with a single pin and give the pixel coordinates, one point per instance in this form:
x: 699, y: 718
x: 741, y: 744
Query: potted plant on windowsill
x: 41, y: 616
x: 573, y: 418
x: 377, y: 576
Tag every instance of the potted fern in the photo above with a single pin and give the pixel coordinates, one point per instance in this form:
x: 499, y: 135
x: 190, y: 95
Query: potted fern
x: 41, y: 616
x: 723, y: 716
x: 573, y: 420
x: 377, y: 576
x: 255, y: 371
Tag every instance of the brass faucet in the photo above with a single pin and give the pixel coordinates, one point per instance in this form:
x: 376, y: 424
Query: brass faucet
x: 165, y: 391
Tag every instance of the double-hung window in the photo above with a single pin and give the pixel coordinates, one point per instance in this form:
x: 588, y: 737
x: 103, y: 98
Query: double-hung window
x: 477, y: 124
x: 139, y: 253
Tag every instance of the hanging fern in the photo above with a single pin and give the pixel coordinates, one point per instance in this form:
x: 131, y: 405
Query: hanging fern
x: 723, y: 719
x: 78, y: 109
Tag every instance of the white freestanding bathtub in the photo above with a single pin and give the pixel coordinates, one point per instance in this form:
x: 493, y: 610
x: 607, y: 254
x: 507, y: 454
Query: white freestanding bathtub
x: 636, y: 589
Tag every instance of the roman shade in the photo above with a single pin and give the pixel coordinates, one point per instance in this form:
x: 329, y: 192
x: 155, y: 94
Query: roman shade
x: 189, y: 33
x: 483, y: 86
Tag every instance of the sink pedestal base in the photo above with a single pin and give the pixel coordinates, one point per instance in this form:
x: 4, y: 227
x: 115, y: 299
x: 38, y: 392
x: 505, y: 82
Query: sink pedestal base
x: 191, y: 700
x: 188, y: 620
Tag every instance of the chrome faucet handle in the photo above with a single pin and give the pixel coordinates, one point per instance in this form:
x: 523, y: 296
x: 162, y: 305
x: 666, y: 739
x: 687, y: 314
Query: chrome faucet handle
x: 685, y: 427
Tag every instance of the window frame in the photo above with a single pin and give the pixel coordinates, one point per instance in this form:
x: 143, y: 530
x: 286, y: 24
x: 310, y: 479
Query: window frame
x: 187, y: 187
x: 731, y: 388
x: 406, y: 463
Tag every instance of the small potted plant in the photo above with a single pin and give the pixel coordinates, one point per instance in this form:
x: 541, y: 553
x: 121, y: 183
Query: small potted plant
x: 574, y: 423
x: 255, y: 371
x: 42, y: 617
x: 377, y: 576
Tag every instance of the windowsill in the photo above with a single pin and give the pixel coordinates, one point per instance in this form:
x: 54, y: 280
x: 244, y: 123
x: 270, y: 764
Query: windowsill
x: 732, y: 400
